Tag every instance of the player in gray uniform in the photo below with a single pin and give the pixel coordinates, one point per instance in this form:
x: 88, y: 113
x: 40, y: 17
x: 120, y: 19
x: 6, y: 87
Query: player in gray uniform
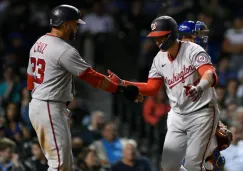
x: 52, y: 65
x: 187, y: 72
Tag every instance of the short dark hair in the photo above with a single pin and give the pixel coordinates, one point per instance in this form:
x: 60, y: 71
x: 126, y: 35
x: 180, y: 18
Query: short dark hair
x: 6, y: 143
x: 81, y: 158
x: 85, y: 152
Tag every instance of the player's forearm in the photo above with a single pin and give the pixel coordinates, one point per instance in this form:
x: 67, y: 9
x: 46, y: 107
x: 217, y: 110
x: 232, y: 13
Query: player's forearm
x: 208, y: 75
x: 206, y: 80
x: 150, y: 88
x: 108, y: 85
x: 98, y: 80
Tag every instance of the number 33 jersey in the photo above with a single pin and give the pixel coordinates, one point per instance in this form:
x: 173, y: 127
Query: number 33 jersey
x: 182, y: 71
x: 52, y: 64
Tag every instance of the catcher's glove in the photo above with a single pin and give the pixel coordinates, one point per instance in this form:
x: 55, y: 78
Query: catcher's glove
x: 224, y: 137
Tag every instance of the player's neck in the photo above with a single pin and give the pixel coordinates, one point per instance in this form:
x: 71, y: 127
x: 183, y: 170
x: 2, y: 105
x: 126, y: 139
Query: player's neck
x: 58, y: 33
x: 173, y: 51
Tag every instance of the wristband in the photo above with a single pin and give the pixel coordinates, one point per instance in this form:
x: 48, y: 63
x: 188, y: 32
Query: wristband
x: 203, y: 84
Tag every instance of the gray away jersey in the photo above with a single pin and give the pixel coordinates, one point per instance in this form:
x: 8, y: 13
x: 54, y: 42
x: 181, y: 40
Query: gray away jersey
x: 180, y: 72
x: 52, y: 63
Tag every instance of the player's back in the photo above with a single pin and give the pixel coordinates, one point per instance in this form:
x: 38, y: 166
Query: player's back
x: 51, y: 80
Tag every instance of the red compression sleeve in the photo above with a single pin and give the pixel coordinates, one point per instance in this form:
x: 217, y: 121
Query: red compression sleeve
x: 98, y: 80
x: 150, y: 88
x: 30, y: 82
x: 202, y: 69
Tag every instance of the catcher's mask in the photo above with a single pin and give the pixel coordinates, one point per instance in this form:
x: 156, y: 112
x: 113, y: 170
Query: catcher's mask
x: 198, y: 31
x: 164, y: 25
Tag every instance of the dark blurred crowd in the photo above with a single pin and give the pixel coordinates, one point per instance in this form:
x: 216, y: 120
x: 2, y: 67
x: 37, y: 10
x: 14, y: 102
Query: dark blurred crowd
x: 118, y: 135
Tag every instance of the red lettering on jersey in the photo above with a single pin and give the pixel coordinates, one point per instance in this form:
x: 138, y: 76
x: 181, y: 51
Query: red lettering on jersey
x: 44, y: 47
x: 40, y: 47
x: 38, y: 69
x: 36, y: 45
x: 33, y: 63
x: 180, y: 77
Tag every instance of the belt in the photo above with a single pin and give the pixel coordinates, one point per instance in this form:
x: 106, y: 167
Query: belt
x: 67, y: 103
x: 205, y: 106
x: 201, y: 108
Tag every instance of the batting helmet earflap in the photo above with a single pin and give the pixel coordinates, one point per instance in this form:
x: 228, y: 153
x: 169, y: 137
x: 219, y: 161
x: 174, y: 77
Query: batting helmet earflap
x: 63, y: 13
x: 164, y: 25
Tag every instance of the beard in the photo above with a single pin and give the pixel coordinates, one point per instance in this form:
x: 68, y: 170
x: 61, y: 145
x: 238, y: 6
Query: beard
x: 72, y: 35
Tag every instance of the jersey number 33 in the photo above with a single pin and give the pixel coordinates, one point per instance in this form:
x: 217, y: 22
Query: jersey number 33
x: 38, y: 69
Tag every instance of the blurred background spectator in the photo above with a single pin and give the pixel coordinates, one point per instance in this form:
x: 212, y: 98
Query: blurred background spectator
x: 131, y: 161
x: 89, y: 161
x: 9, y: 87
x: 38, y: 161
x: 234, y: 154
x: 109, y: 147
x: 114, y: 38
x: 9, y: 160
x: 233, y: 42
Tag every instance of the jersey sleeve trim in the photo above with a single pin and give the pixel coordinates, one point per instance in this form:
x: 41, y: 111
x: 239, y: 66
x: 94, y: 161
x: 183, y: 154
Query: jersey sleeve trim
x: 203, y: 68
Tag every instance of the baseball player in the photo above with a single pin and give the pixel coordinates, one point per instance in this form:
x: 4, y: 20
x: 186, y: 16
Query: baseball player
x: 197, y: 32
x: 52, y: 65
x: 189, y: 76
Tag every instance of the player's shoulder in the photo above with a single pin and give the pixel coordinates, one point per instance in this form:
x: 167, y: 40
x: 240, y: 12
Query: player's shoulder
x: 71, y: 52
x: 191, y: 48
x: 191, y: 45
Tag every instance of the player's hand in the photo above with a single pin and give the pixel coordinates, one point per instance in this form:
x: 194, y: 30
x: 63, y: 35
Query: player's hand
x: 139, y: 98
x: 113, y: 77
x: 193, y: 92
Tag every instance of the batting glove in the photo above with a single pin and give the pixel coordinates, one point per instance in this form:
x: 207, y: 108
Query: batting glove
x: 131, y: 92
x: 193, y: 92
x: 113, y: 77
